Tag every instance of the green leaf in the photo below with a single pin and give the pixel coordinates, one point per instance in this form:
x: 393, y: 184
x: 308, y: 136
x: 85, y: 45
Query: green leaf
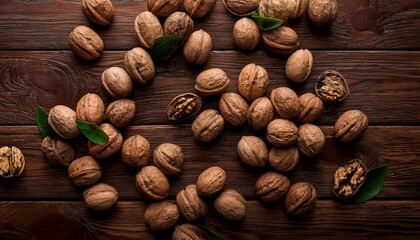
x: 372, y: 186
x: 41, y: 118
x: 210, y: 234
x: 266, y: 23
x: 164, y: 47
x: 94, y: 133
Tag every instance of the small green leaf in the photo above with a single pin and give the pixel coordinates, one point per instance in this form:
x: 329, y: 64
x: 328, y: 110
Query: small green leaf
x: 164, y: 47
x: 210, y: 234
x: 372, y: 186
x: 94, y: 133
x: 44, y: 127
x: 266, y: 23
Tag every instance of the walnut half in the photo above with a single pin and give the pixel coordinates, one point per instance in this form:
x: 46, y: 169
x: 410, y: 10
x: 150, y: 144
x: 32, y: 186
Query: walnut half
x: 349, y: 178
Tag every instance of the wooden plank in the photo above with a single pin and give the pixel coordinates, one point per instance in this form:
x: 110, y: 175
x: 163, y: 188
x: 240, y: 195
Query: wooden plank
x: 397, y: 146
x: 329, y: 220
x: 385, y: 85
x: 359, y: 25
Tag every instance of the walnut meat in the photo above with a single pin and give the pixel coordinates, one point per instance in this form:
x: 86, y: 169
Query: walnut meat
x: 198, y: 47
x: 191, y: 206
x: 282, y: 40
x: 139, y: 65
x: 310, y: 108
x: 86, y: 43
x: 100, y: 197
x: 152, y: 182
x: 117, y: 82
x: 168, y: 158
x: 231, y: 205
x: 63, y: 120
x: 311, y: 140
x: 188, y: 231
x: 332, y: 86
x: 300, y: 199
x: 282, y: 133
x: 211, y: 82
x: 121, y: 112
x: 253, y: 81
x: 350, y: 125
x: 84, y: 171
x: 199, y: 8
x: 179, y: 23
x: 211, y: 181
x: 208, y: 126
x: 58, y: 152
x: 147, y: 28
x: 98, y: 11
x: 12, y: 162
x: 285, y: 102
x: 164, y: 8
x: 90, y: 108
x: 260, y: 113
x: 246, y: 34
x: 183, y: 106
x: 283, y: 159
x: 161, y: 215
x: 299, y: 65
x: 272, y: 186
x: 349, y: 178
x: 233, y: 108
x: 136, y: 151
x: 241, y: 7
x: 252, y: 151
x: 114, y: 143
x: 322, y: 12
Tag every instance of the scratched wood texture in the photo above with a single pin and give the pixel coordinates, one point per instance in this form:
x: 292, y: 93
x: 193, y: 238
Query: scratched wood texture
x: 374, y: 44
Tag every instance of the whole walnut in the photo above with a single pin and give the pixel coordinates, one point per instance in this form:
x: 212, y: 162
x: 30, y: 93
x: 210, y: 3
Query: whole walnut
x: 191, y: 206
x: 310, y: 108
x: 260, y: 113
x: 241, y: 7
x: 152, y: 182
x: 12, y: 162
x: 117, y: 82
x: 100, y: 197
x: 98, y: 11
x: 285, y: 102
x: 90, y: 108
x: 299, y: 65
x: 161, y: 215
x: 198, y: 47
x: 208, y: 126
x: 164, y: 8
x: 253, y: 81
x: 276, y: 9
x: 282, y: 40
x: 188, y: 231
x: 62, y: 119
x: 252, y: 151
x: 168, y: 158
x: 139, y: 65
x: 179, y: 23
x: 322, y: 12
x: 211, y: 82
x: 147, y: 28
x: 272, y: 186
x: 84, y: 171
x: 246, y: 34
x: 350, y: 125
x: 136, y: 151
x: 300, y: 199
x: 282, y: 133
x: 199, y: 8
x: 311, y: 140
x: 121, y: 112
x: 231, y: 205
x: 233, y: 108
x: 114, y: 143
x: 58, y: 152
x: 85, y: 43
x: 283, y: 159
x: 211, y: 181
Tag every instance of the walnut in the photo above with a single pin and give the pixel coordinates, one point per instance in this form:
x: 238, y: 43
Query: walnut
x: 168, y: 158
x: 246, y: 34
x: 300, y: 199
x: 58, y: 152
x: 152, y: 182
x: 231, y: 205
x: 136, y: 151
x: 283, y: 159
x: 282, y: 40
x: 98, y: 11
x: 298, y: 8
x: 139, y: 65
x: 349, y: 178
x: 114, y: 143
x: 285, y: 102
x: 188, y: 231
x: 191, y: 206
x: 121, y: 112
x: 208, y: 126
x: 332, y: 86
x: 100, y: 197
x: 86, y: 43
x: 276, y: 9
x: 350, y: 125
x: 241, y: 7
x: 90, y: 108
x: 310, y: 108
x: 84, y: 171
x: 183, y: 106
x: 272, y: 186
x: 147, y: 28
x: 164, y: 8
x: 161, y: 215
x: 233, y: 108
x: 282, y: 133
x: 211, y: 181
x: 198, y: 47
x: 12, y: 162
x: 299, y: 65
x: 199, y: 8
x: 253, y: 81
x: 63, y: 120
x: 322, y: 12
x: 311, y: 140
x: 260, y: 113
x: 179, y: 23
x: 252, y: 151
x: 211, y: 82
x: 117, y: 82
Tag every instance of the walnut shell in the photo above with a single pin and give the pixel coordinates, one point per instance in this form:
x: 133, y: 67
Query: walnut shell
x: 188, y: 231
x: 62, y: 119
x: 322, y: 12
x: 191, y: 206
x: 121, y: 112
x: 276, y: 9
x: 246, y: 34
x: 285, y: 102
x: 272, y: 186
x: 282, y: 133
x: 233, y: 108
x: 283, y: 159
x: 231, y: 205
x: 114, y: 143
x: 164, y: 8
x: 211, y: 82
x: 85, y: 43
x: 58, y: 152
x: 136, y: 151
x: 100, y: 197
x: 311, y: 140
x: 199, y: 8
x: 90, y: 108
x: 350, y: 125
x: 300, y: 199
x: 117, y: 82
x: 84, y: 171
x: 299, y: 65
x: 260, y: 113
x: 349, y: 178
x: 253, y: 81
x: 331, y: 86
x: 208, y: 126
x: 152, y: 182
x: 147, y: 28
x: 198, y: 47
x: 98, y: 11
x: 161, y: 215
x: 298, y: 8
x: 168, y: 158
x: 183, y: 106
x: 282, y: 40
x: 211, y: 181
x: 139, y: 65
x: 252, y: 151
x: 310, y: 108
x: 179, y: 23
x: 12, y: 162
x: 241, y: 8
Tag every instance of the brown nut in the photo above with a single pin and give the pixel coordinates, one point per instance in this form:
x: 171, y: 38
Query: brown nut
x: 282, y: 133
x: 285, y: 102
x: 147, y: 28
x: 246, y: 34
x: 276, y: 9
x: 84, y: 171
x: 350, y: 125
x: 241, y: 8
x: 253, y: 81
x: 191, y: 206
x: 198, y: 47
x: 300, y: 199
x: 211, y: 82
x: 211, y: 181
x: 136, y: 151
x: 322, y: 12
x: 90, y: 108
x: 199, y: 8
x: 260, y: 113
x: 299, y: 65
x: 86, y: 43
x: 117, y: 82
x: 283, y: 159
x: 252, y: 151
x: 62, y: 119
x: 58, y: 152
x: 183, y: 106
x: 179, y: 23
x: 152, y: 182
x: 311, y: 140
x: 188, y: 231
x: 98, y: 11
x: 349, y: 178
x: 121, y: 112
x: 161, y: 215
x: 139, y: 65
x: 231, y: 205
x: 310, y: 108
x: 164, y: 8
x: 208, y: 126
x: 282, y: 40
x: 272, y: 186
x: 12, y: 162
x: 332, y: 86
x: 100, y: 197
x: 233, y: 108
x: 168, y: 158
x: 114, y: 143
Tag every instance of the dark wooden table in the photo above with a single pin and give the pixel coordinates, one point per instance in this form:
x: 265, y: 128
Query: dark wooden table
x: 374, y: 44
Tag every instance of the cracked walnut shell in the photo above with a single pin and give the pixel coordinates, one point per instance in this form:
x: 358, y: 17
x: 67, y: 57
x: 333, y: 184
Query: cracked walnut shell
x: 62, y: 119
x: 300, y: 199
x: 208, y: 126
x: 252, y: 151
x: 332, y: 86
x: 58, y: 152
x: 282, y: 133
x: 211, y: 82
x: 168, y: 158
x: 191, y: 206
x: 198, y: 47
x: 98, y: 12
x: 183, y: 106
x: 349, y: 178
x: 311, y: 140
x: 161, y: 215
x: 211, y: 181
x: 152, y: 182
x: 114, y: 143
x: 253, y: 81
x: 12, y: 162
x: 147, y: 28
x: 272, y: 186
x: 100, y: 197
x: 84, y: 171
x: 233, y: 108
x: 350, y: 125
x: 231, y: 205
x: 90, y: 108
x: 285, y: 102
x: 135, y: 151
x: 85, y: 43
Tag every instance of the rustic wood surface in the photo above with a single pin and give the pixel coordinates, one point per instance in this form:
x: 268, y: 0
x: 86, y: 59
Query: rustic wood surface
x: 374, y: 44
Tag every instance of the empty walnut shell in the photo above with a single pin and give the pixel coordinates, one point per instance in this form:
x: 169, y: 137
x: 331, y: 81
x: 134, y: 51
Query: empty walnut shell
x: 272, y: 186
x: 191, y: 206
x: 233, y: 108
x: 58, y: 152
x: 260, y: 113
x: 350, y: 125
x: 231, y: 205
x: 183, y: 106
x: 161, y: 215
x: 63, y: 120
x: 198, y: 47
x: 282, y: 40
x: 253, y: 81
x: 98, y: 11
x: 310, y: 108
x: 283, y: 159
x: 121, y: 112
x: 117, y: 82
x: 285, y: 102
x: 86, y: 43
x: 211, y: 82
x: 164, y: 8
x: 136, y: 151
x: 300, y: 199
x: 100, y: 197
x: 84, y: 171
x: 211, y: 181
x: 332, y: 86
x: 139, y: 65
x: 199, y: 8
x: 208, y: 126
x: 241, y: 8
x: 349, y: 178
x: 188, y: 231
x: 147, y: 28
x: 152, y: 182
x: 90, y: 108
x: 168, y: 158
x: 282, y: 133
x: 252, y: 151
x: 311, y: 140
x: 114, y: 143
x: 12, y: 162
x: 179, y: 23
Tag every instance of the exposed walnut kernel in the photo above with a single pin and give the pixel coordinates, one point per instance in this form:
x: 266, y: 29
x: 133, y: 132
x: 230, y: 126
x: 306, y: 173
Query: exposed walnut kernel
x: 349, y: 178
x: 332, y: 86
x: 183, y: 106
